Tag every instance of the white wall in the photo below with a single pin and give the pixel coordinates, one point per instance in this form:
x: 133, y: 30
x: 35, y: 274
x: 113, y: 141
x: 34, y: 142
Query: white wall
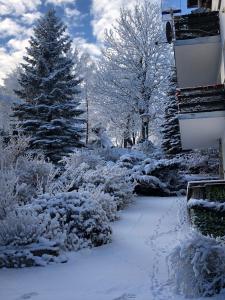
x: 222, y: 30
x: 201, y: 130
x: 215, y: 4
x: 198, y: 61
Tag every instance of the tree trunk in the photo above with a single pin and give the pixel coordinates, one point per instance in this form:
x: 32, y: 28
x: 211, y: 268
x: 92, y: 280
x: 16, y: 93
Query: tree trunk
x: 144, y: 131
x: 87, y: 118
x: 127, y: 137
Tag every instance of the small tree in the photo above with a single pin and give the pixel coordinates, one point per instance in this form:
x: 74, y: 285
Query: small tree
x: 48, y: 85
x: 170, y: 129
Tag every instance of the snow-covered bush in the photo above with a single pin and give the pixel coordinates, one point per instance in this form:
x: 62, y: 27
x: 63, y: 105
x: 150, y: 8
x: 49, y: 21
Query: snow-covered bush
x: 11, y: 149
x: 197, y: 266
x: 107, y: 201
x: 8, y: 191
x: 109, y: 178
x: 208, y: 216
x: 74, y: 220
x: 150, y: 185
x: 111, y: 154
x: 35, y: 176
x: 131, y: 159
x: 19, y: 228
x: 113, y: 180
x: 71, y: 179
x: 79, y: 157
x: 201, y: 162
x: 74, y: 168
x: 146, y: 147
x: 159, y: 177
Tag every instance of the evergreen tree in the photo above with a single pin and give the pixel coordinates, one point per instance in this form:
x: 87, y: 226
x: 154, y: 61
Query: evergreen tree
x: 170, y: 129
x: 48, y: 86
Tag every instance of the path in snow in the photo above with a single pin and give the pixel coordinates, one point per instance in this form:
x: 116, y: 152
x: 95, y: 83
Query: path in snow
x: 133, y: 266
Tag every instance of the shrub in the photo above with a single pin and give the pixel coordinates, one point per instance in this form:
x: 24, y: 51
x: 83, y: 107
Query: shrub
x: 20, y: 227
x: 114, y: 181
x: 12, y: 149
x: 146, y: 147
x: 70, y: 180
x: 75, y: 220
x: 159, y: 177
x: 109, y: 177
x: 8, y: 191
x: 111, y: 154
x: 198, y: 266
x: 79, y: 157
x: 106, y: 201
x: 35, y: 176
x: 207, y: 216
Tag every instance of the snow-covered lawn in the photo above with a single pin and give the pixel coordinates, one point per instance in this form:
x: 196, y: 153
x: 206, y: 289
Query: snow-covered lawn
x: 133, y: 266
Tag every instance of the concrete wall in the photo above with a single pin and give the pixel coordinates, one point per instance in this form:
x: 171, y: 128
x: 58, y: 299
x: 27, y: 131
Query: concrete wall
x: 222, y: 30
x: 215, y: 4
x: 198, y: 61
x: 201, y: 130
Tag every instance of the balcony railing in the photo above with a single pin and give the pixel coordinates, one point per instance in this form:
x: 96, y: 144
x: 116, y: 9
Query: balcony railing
x: 201, y: 99
x: 197, y: 25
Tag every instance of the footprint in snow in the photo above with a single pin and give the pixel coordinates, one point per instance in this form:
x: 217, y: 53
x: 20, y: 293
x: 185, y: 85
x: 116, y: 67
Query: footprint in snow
x: 126, y: 297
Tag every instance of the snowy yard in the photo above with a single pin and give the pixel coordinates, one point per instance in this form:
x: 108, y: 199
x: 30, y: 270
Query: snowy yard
x: 133, y: 266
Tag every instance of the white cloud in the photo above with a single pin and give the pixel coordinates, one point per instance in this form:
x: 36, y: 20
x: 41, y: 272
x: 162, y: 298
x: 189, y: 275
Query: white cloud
x: 84, y: 46
x: 9, y: 27
x: 105, y: 13
x: 18, y: 7
x: 18, y: 45
x: 72, y: 12
x: 60, y: 2
x: 8, y: 62
x: 30, y: 18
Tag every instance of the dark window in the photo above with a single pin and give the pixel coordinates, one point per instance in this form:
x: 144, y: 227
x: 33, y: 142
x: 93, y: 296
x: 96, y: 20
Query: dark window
x: 206, y: 4
x: 192, y: 3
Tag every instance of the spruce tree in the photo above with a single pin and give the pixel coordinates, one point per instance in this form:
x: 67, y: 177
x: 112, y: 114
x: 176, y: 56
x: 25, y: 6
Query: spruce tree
x: 48, y: 85
x: 170, y: 130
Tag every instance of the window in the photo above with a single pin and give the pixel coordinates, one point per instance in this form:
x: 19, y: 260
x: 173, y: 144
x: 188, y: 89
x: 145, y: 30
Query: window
x: 192, y: 3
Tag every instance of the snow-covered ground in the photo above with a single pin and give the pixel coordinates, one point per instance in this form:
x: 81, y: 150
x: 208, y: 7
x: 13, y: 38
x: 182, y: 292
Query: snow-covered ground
x: 133, y: 266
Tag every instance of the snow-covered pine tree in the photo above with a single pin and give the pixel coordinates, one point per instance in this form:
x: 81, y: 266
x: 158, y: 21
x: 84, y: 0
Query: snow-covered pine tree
x: 48, y: 86
x: 171, y: 143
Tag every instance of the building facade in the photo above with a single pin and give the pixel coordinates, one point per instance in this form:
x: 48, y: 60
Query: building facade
x: 199, y: 50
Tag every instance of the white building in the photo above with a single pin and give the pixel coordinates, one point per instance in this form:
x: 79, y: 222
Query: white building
x: 199, y: 49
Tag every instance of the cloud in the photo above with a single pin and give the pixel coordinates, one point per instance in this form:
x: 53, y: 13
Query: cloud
x: 105, y: 13
x: 30, y: 18
x: 16, y: 16
x: 18, y: 7
x: 18, y: 45
x: 84, y: 46
x: 8, y: 27
x: 8, y: 62
x: 72, y: 12
x: 60, y: 2
x: 73, y: 17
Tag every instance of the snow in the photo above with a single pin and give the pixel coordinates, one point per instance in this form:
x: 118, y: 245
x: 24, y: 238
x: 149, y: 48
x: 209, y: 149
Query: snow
x: 133, y: 266
x: 214, y: 205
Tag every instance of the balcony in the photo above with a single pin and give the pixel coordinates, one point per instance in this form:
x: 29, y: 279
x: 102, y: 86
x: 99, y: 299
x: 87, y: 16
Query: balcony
x: 197, y: 25
x: 201, y: 99
x: 201, y: 116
